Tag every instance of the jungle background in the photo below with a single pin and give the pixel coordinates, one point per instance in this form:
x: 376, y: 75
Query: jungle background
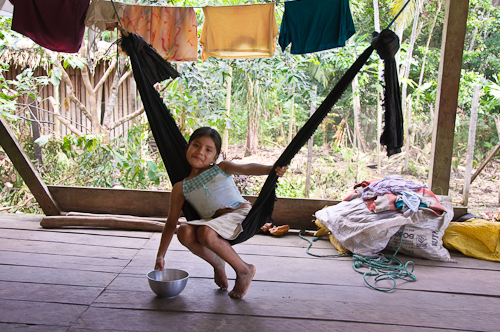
x: 258, y: 105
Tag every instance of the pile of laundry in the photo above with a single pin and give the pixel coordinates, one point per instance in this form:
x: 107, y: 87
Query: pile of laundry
x: 243, y: 31
x: 394, y: 214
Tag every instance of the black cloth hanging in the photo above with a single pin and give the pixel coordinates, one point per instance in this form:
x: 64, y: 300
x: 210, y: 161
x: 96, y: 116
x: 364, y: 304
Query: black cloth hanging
x: 172, y: 145
x: 387, y: 44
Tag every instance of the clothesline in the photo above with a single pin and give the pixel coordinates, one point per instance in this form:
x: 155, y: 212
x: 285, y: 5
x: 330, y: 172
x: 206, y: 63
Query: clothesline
x: 242, y: 31
x: 161, y: 4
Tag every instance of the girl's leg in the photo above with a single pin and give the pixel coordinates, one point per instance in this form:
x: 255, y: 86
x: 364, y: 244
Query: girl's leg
x: 187, y: 235
x: 208, y: 238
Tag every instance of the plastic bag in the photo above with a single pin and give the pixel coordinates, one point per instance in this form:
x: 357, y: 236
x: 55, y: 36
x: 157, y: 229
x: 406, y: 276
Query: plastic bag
x: 424, y: 237
x: 478, y: 238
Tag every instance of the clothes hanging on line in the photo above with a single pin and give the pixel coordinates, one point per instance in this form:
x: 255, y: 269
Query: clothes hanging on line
x: 57, y: 25
x: 234, y: 32
x: 171, y: 31
x: 315, y: 25
x: 102, y: 15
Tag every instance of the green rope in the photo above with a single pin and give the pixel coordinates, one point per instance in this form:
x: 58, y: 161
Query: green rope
x: 316, y: 238
x: 382, y: 267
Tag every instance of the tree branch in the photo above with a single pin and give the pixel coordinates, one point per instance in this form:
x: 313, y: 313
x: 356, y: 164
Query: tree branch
x: 124, y: 77
x: 63, y: 120
x: 106, y: 75
x: 127, y: 118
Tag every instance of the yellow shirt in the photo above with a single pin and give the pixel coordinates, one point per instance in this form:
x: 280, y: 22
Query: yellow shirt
x: 239, y: 31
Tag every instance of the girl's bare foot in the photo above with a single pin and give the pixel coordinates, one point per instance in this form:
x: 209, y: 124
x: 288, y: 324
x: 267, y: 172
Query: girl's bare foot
x: 243, y: 281
x: 220, y: 277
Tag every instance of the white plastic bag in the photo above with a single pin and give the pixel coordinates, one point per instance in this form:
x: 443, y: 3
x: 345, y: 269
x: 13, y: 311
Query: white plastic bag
x: 360, y: 230
x: 424, y: 237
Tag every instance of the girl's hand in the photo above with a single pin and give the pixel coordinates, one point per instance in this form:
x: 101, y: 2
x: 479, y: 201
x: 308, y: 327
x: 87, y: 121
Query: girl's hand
x: 281, y: 170
x: 160, y: 263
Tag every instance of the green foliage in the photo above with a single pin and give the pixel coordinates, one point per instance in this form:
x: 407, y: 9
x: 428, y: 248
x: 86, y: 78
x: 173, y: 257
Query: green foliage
x: 86, y: 161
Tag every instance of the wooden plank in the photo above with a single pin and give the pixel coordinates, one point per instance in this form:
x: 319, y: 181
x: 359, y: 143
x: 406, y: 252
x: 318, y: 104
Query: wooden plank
x: 33, y: 223
x: 56, y: 248
x: 75, y: 238
x: 450, y: 65
x: 113, y: 201
x: 331, y: 271
x: 302, y: 301
x: 109, y: 319
x: 41, y: 313
x: 102, y: 221
x: 41, y: 275
x: 296, y: 212
x: 37, y: 292
x: 27, y: 171
x: 66, y: 262
x: 10, y: 327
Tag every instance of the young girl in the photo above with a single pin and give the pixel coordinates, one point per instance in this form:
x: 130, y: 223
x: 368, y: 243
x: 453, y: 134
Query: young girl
x: 211, y: 191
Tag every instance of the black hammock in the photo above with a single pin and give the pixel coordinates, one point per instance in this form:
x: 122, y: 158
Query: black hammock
x: 149, y: 68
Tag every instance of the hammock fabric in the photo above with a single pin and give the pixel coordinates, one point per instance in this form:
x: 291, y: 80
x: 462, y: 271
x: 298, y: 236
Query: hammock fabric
x: 149, y: 68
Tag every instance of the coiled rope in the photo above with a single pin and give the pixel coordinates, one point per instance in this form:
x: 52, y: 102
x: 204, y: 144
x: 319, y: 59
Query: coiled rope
x: 381, y: 266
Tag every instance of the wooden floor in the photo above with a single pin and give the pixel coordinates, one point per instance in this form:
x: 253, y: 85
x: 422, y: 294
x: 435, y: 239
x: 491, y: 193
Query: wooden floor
x: 94, y: 280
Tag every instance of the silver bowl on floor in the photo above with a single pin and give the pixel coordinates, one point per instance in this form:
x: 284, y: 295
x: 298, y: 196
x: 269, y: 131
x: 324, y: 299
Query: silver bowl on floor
x: 167, y: 283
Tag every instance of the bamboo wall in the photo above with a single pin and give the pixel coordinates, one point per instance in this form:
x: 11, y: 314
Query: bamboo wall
x: 126, y: 102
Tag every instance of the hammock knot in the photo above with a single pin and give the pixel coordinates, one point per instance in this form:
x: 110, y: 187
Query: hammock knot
x: 386, y: 43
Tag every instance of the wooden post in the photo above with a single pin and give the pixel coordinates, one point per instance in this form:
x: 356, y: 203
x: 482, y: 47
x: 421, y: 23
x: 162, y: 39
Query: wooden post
x: 492, y: 152
x: 27, y: 171
x: 310, y: 148
x: 454, y: 29
x: 470, y: 145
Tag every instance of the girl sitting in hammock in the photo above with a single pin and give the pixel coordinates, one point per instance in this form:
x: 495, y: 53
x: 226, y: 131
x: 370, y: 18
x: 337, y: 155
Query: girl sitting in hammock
x: 210, y: 189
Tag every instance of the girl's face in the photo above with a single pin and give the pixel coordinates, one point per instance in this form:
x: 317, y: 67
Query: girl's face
x: 201, y: 152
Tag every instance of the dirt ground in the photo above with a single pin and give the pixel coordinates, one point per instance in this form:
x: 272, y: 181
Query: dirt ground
x: 483, y: 194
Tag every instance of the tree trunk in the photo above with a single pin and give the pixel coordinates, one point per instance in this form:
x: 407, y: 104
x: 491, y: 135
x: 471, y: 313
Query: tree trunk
x: 358, y: 133
x: 35, y: 127
x: 470, y: 145
x: 310, y: 149
x: 253, y: 117
x: 225, y: 134
x: 113, y: 96
x: 376, y: 21
x: 407, y: 132
x: 290, y: 124
x: 426, y: 50
x: 409, y: 55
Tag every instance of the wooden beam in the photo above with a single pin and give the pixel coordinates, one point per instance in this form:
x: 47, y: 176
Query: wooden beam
x: 295, y: 212
x: 27, y: 171
x: 447, y: 94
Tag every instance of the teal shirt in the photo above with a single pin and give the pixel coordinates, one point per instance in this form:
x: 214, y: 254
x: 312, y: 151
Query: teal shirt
x: 315, y: 25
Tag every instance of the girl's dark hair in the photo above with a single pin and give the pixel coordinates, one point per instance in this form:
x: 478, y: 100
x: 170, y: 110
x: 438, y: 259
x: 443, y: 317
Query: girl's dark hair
x: 207, y: 131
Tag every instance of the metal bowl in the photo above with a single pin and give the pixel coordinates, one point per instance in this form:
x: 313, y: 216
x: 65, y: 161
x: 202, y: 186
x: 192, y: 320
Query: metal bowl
x: 167, y: 283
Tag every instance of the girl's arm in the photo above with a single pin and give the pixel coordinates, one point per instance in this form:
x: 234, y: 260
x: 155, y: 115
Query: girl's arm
x: 176, y: 202
x: 231, y: 168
